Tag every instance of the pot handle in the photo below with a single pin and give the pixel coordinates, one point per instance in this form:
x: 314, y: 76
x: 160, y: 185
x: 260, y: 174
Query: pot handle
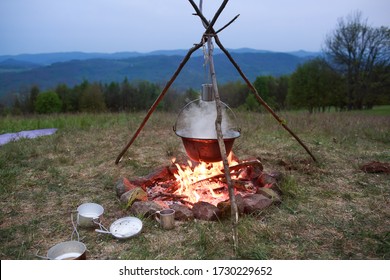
x: 156, y: 214
x: 234, y: 115
x: 102, y: 231
x: 41, y: 257
x: 182, y: 109
x: 74, y: 232
x: 96, y: 221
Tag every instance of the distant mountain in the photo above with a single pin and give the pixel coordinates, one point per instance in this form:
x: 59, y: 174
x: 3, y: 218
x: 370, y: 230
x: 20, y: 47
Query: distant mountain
x: 50, y: 58
x: 13, y: 65
x: 157, y: 67
x: 302, y: 53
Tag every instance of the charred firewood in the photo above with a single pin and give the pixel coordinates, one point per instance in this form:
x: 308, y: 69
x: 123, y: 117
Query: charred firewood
x: 160, y: 174
x: 170, y: 195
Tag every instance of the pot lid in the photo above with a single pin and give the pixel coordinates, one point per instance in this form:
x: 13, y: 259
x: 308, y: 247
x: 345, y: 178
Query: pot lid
x: 126, y: 227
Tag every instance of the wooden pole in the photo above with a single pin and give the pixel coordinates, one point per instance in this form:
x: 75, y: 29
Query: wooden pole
x: 222, y: 148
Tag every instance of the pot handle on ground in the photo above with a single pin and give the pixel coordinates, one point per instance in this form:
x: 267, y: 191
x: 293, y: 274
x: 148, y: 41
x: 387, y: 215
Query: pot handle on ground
x: 103, y: 231
x: 96, y: 221
x: 74, y: 232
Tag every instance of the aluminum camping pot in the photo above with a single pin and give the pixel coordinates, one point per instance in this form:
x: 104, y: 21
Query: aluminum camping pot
x: 88, y: 213
x: 200, y: 144
x: 68, y: 250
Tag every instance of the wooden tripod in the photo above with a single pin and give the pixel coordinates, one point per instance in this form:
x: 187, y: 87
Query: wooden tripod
x: 207, y: 37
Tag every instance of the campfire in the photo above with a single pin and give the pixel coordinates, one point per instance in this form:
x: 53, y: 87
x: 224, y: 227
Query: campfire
x: 199, y: 189
x: 202, y: 182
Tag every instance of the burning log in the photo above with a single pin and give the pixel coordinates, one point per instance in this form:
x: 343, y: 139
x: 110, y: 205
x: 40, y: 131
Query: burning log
x: 255, y: 164
x: 170, y: 195
x: 160, y: 174
x: 246, y: 171
x: 208, y: 180
x: 243, y: 185
x: 252, y: 169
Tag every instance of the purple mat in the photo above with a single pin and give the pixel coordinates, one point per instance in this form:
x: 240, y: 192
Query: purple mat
x: 8, y: 137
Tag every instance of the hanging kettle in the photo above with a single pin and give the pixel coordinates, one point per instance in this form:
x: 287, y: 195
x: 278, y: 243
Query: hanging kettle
x: 195, y: 125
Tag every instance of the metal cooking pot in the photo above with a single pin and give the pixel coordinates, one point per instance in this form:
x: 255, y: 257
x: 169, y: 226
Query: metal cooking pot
x: 207, y: 150
x: 87, y: 213
x: 203, y: 147
x: 68, y: 250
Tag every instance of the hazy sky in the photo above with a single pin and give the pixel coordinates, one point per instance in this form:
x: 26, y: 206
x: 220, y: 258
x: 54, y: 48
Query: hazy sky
x: 38, y: 26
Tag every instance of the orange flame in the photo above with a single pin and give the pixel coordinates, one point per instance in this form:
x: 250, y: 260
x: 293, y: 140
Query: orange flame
x: 189, y: 176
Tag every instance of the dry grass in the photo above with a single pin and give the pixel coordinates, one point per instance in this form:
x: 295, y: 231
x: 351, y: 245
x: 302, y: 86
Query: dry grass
x: 330, y: 210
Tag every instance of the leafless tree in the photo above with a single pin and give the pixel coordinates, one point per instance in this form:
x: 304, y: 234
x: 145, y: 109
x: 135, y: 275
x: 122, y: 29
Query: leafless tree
x: 358, y: 51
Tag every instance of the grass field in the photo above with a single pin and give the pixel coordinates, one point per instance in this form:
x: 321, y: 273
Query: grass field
x: 330, y: 209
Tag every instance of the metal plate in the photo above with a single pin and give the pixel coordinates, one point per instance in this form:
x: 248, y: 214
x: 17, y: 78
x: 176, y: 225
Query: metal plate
x: 126, y: 227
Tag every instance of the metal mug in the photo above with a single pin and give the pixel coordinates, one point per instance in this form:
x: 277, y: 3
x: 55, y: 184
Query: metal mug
x: 166, y: 219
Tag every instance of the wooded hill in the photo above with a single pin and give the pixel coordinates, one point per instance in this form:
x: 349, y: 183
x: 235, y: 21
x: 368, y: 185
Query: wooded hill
x: 17, y: 74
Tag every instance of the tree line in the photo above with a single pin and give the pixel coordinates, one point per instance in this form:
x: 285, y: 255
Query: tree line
x: 93, y: 97
x: 128, y: 96
x: 352, y: 74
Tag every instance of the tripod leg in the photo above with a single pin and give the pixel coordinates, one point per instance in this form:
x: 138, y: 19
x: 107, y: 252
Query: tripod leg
x: 158, y: 100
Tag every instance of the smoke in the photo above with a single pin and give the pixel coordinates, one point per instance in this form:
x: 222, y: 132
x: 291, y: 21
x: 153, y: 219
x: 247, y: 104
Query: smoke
x: 198, y: 121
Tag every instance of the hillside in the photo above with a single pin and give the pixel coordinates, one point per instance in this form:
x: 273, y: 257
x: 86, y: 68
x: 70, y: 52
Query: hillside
x: 155, y: 67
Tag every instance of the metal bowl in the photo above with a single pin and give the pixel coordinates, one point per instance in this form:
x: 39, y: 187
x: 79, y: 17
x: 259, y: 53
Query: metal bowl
x: 68, y: 250
x: 207, y: 150
x: 124, y: 228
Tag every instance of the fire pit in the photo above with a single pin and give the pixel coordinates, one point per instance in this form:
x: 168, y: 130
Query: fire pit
x: 199, y: 190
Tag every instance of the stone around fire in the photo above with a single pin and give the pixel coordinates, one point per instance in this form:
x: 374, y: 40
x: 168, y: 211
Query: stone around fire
x: 205, y: 211
x: 145, y: 208
x: 256, y: 202
x: 182, y: 213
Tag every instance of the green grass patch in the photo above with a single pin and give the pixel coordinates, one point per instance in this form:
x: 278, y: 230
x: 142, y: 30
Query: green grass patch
x: 383, y: 110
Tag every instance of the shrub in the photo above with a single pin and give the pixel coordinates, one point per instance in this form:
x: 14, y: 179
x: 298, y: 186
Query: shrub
x: 48, y: 102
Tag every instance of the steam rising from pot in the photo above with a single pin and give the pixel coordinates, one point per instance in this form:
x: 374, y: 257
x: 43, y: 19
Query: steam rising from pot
x: 198, y: 121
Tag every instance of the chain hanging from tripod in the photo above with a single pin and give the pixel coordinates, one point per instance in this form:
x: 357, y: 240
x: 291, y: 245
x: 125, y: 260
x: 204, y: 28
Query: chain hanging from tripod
x: 208, y: 49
